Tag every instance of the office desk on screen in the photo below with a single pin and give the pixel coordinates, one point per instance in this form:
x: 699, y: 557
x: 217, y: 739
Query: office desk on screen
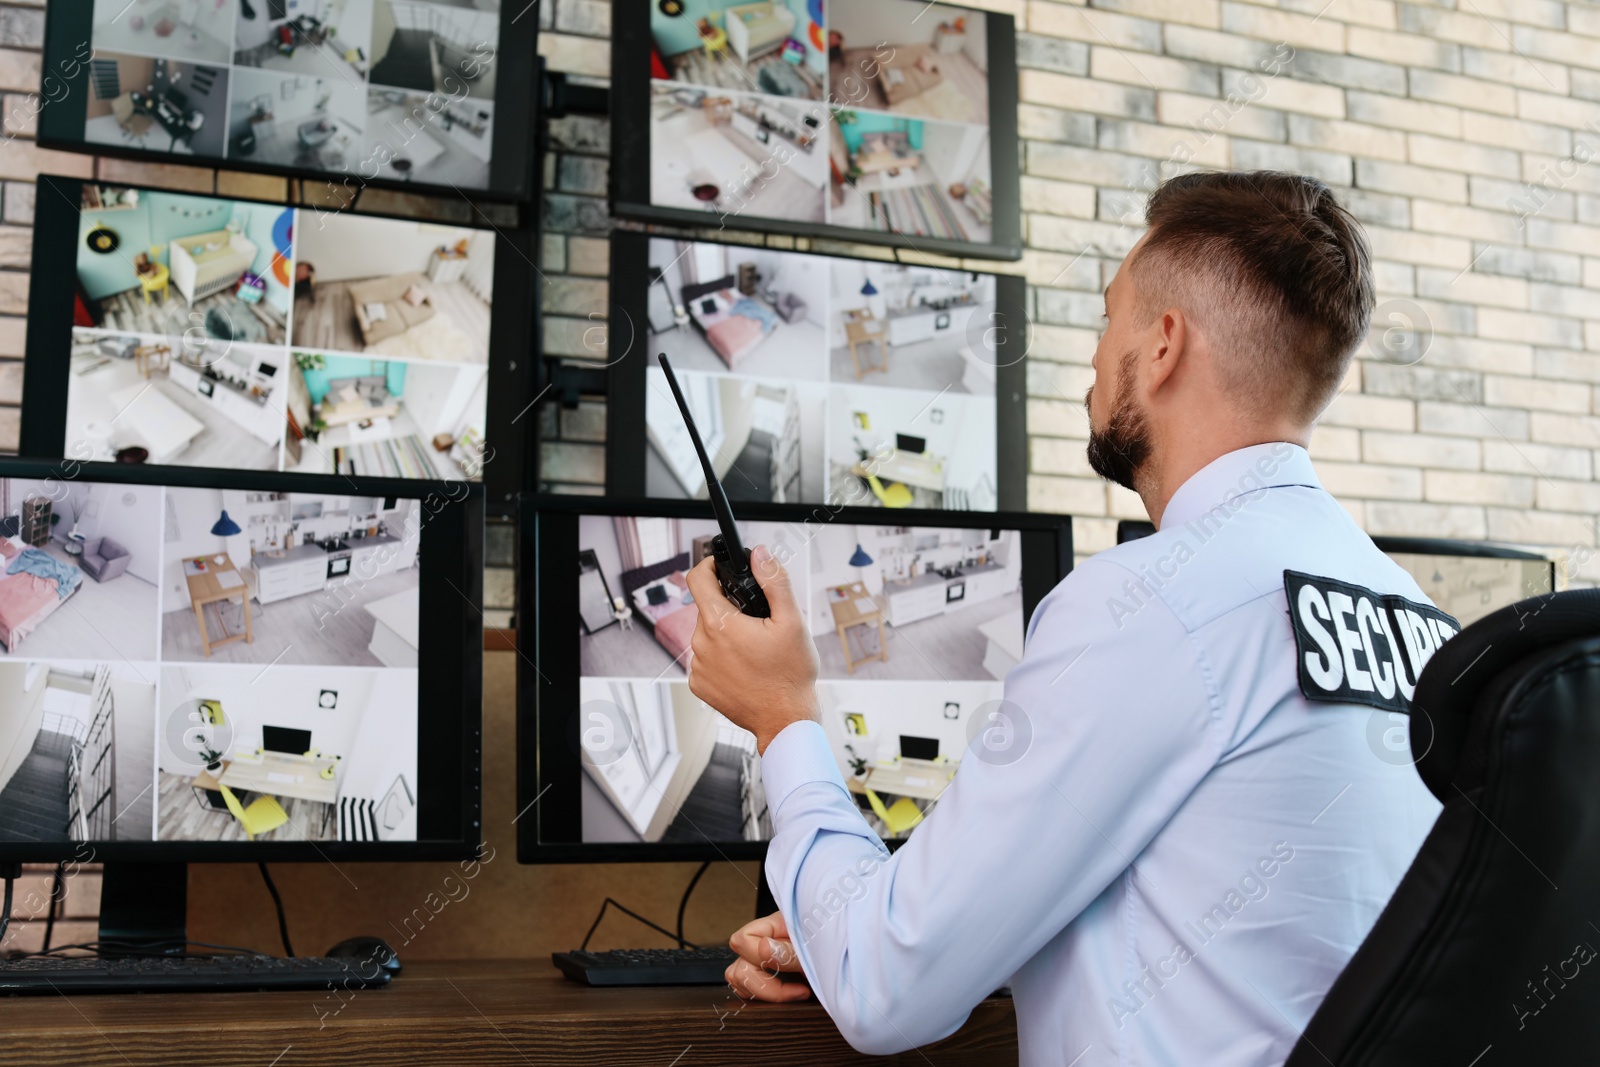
x: 915, y: 778
x: 913, y: 468
x: 283, y: 774
x: 485, y: 1013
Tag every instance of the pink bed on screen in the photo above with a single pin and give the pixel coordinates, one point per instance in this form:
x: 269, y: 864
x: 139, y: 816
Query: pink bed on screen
x: 734, y: 336
x: 24, y: 602
x: 675, y: 629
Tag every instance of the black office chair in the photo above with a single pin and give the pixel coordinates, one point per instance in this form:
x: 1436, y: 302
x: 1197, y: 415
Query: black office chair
x: 1487, y: 953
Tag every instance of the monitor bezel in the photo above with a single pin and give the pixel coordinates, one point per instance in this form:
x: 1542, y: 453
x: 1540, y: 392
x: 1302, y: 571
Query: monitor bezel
x: 450, y: 666
x: 549, y: 791
x: 47, y: 360
x: 630, y: 139
x: 627, y: 440
x: 64, y: 99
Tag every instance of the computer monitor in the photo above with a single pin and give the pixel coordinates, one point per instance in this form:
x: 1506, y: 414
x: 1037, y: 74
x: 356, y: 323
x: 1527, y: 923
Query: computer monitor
x: 342, y: 93
x: 922, y: 748
x: 631, y: 765
x: 284, y: 739
x: 173, y: 644
x: 1466, y: 579
x: 804, y: 372
x: 1469, y: 579
x: 892, y: 122
x: 206, y: 331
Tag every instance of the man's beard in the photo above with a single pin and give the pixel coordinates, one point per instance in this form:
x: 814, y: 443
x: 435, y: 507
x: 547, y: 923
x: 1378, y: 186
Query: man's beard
x: 1118, y: 452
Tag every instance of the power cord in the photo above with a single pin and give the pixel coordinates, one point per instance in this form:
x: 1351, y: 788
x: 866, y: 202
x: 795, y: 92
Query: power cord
x: 10, y: 872
x: 609, y: 903
x: 682, y: 941
x: 277, y: 902
x: 684, y: 903
x: 58, y: 890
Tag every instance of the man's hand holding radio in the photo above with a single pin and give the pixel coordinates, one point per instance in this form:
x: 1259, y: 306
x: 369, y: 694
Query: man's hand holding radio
x: 760, y: 673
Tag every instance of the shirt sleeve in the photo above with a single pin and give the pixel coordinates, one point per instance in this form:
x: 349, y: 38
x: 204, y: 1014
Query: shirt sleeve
x: 1113, y: 725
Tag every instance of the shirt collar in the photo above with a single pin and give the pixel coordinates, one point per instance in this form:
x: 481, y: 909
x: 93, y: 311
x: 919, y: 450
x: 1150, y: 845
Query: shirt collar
x: 1244, y: 471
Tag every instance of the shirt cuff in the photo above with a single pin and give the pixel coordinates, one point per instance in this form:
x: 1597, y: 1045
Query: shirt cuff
x: 798, y: 756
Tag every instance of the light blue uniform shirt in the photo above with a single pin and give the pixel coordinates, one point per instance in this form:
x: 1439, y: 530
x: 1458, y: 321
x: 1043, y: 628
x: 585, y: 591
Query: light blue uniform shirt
x: 1187, y: 852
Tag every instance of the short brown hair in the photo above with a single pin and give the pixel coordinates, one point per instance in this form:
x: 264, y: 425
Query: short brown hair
x: 1274, y: 271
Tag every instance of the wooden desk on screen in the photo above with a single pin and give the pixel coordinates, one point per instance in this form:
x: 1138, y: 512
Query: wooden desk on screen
x: 917, y: 778
x: 283, y: 774
x: 489, y: 1013
x: 206, y: 587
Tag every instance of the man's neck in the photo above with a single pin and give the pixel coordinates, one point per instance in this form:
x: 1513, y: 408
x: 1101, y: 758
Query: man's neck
x: 1167, y: 469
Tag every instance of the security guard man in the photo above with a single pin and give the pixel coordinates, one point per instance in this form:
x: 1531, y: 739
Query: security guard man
x: 1211, y: 808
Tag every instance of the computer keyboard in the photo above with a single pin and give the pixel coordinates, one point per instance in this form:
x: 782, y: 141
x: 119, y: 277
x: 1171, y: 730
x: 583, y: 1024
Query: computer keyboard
x: 646, y: 966
x: 180, y: 974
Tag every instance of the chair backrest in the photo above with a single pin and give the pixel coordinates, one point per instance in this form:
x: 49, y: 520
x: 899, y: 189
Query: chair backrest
x: 1490, y: 941
x: 233, y: 803
x: 877, y: 806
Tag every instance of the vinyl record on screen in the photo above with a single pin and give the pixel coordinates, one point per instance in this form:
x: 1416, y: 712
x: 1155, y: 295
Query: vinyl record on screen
x: 670, y: 8
x: 103, y: 239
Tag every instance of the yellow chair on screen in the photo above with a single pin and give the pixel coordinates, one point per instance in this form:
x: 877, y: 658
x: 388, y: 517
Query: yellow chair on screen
x: 893, y: 495
x: 153, y: 277
x: 262, y: 816
x: 900, y: 816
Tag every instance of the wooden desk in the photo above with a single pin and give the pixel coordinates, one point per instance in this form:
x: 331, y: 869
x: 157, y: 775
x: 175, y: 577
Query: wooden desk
x: 920, y: 469
x: 205, y: 589
x: 915, y: 778
x: 150, y: 358
x: 489, y: 1013
x: 848, y: 612
x: 298, y: 776
x: 208, y: 781
x: 861, y: 328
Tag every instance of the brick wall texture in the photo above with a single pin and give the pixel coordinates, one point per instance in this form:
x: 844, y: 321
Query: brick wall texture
x: 1465, y: 134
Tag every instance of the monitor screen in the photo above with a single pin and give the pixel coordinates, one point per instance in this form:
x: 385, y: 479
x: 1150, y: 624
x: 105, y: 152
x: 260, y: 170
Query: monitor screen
x: 346, y: 92
x: 892, y: 122
x: 204, y: 331
x: 1469, y: 586
x: 188, y: 671
x: 915, y: 625
x: 284, y: 739
x: 816, y: 378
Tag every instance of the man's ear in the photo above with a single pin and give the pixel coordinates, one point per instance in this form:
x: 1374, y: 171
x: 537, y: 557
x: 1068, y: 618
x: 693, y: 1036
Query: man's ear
x: 1170, y: 346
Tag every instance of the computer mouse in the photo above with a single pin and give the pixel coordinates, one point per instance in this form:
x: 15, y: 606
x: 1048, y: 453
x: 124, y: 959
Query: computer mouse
x: 368, y: 952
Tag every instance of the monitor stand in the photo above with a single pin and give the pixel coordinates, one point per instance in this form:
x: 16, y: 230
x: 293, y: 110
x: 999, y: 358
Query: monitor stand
x: 144, y: 908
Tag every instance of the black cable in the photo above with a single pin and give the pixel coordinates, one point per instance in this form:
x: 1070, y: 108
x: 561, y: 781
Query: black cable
x: 58, y: 890
x: 684, y: 903
x: 10, y: 872
x: 609, y: 903
x: 277, y: 902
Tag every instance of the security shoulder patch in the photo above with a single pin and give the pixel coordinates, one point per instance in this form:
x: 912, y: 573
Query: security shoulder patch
x: 1355, y: 646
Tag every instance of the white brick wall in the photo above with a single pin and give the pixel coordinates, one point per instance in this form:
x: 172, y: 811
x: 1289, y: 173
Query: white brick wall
x: 1429, y: 123
x: 1428, y: 116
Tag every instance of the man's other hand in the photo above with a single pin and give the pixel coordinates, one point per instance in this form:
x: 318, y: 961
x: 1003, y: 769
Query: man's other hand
x: 760, y: 673
x: 765, y: 951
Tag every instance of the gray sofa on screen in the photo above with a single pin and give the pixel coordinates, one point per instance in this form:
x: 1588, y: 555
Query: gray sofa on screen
x: 105, y: 558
